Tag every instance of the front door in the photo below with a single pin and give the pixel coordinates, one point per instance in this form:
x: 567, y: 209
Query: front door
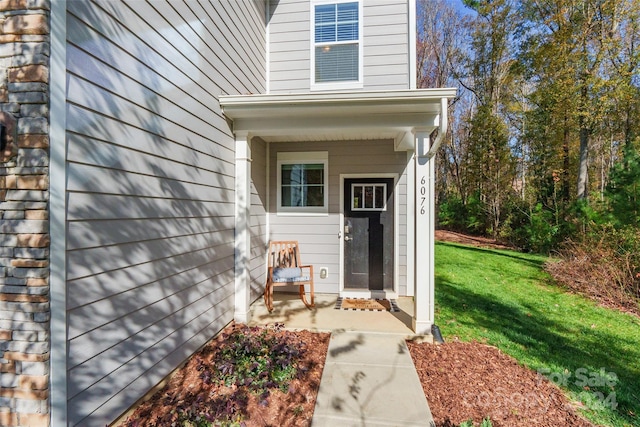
x: 368, y: 234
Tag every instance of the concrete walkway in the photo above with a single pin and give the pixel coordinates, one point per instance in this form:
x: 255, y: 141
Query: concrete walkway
x: 369, y: 378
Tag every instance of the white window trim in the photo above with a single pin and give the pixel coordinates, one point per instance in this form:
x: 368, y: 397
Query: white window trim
x: 372, y: 209
x: 289, y: 158
x: 312, y: 49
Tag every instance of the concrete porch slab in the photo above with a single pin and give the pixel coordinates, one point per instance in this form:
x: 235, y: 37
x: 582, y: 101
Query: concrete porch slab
x: 289, y: 310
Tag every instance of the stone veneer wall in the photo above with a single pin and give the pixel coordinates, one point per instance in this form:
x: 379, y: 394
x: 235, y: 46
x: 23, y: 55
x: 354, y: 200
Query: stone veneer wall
x: 24, y: 214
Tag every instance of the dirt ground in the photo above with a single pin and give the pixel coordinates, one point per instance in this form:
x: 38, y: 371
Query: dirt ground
x: 482, y: 242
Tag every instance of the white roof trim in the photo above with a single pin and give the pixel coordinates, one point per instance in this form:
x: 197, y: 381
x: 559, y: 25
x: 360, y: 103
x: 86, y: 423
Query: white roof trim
x: 310, y: 115
x: 235, y: 106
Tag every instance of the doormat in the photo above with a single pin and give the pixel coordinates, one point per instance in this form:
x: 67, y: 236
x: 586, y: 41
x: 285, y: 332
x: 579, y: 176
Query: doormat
x: 366, y: 304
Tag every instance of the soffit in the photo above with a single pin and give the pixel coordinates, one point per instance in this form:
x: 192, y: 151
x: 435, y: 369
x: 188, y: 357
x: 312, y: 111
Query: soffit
x: 362, y: 115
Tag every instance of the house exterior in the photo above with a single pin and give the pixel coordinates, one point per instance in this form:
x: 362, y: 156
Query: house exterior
x: 151, y: 150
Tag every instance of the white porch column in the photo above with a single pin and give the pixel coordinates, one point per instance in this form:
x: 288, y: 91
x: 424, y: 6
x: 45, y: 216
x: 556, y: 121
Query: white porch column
x: 424, y: 230
x: 242, y: 232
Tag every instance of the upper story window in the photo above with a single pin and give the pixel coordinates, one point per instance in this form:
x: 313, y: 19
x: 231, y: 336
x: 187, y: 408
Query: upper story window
x: 337, y: 45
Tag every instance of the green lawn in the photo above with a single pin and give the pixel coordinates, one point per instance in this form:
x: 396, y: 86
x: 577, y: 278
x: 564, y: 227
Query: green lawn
x: 505, y: 299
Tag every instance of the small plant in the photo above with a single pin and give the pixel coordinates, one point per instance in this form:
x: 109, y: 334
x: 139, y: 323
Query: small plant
x: 252, y: 360
x: 485, y: 423
x: 256, y: 359
x: 189, y: 420
x: 219, y: 411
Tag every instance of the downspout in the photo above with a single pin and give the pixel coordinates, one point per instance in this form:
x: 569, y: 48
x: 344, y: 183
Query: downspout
x: 442, y: 129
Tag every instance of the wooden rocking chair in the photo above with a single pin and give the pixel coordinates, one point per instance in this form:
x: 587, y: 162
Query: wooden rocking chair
x: 285, y: 269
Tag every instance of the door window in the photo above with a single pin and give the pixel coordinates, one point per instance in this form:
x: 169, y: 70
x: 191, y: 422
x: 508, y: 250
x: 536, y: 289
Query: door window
x: 369, y: 197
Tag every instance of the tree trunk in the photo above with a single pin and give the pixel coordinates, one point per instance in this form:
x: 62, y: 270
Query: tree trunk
x: 565, y: 160
x: 583, y: 176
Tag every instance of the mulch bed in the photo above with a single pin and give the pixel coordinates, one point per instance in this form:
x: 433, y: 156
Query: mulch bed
x: 186, y: 389
x: 473, y: 381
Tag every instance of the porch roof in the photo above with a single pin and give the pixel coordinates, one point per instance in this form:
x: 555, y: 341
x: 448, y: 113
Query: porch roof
x: 337, y: 115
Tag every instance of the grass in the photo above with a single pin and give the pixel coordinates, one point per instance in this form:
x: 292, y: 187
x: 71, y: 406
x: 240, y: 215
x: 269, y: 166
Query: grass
x: 505, y: 299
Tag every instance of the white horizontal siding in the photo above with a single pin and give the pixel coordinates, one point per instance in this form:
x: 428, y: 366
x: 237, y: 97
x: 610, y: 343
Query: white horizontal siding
x: 150, y: 167
x: 385, y: 45
x: 318, y: 234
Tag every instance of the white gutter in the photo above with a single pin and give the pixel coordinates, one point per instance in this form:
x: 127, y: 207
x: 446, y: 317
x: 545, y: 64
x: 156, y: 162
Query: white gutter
x: 442, y: 129
x: 231, y: 103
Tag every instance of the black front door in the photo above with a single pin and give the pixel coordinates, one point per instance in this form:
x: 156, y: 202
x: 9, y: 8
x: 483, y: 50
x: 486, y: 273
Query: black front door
x: 368, y: 234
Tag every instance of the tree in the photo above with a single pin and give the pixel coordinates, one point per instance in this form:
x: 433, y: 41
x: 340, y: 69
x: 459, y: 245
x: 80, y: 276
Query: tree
x: 623, y: 191
x: 492, y: 163
x: 565, y: 48
x: 550, y: 88
x: 440, y: 42
x: 489, y: 76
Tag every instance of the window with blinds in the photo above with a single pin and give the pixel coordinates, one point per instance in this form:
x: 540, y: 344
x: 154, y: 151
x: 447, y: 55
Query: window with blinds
x: 337, y: 42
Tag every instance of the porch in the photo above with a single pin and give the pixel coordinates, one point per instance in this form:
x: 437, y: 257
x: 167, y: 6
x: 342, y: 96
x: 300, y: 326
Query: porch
x: 289, y: 310
x: 362, y: 160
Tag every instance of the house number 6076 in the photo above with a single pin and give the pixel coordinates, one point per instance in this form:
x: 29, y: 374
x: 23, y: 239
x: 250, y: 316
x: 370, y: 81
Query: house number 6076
x: 423, y: 192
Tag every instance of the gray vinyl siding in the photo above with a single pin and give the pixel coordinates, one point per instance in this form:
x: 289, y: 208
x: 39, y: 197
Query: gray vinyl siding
x: 258, y: 224
x: 385, y: 45
x: 150, y: 167
x: 318, y: 234
x: 289, y: 46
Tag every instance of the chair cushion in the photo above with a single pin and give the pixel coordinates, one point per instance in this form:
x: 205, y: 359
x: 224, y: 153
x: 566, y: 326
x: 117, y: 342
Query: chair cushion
x: 292, y: 274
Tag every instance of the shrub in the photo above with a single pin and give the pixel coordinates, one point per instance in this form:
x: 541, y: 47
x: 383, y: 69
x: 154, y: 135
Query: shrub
x: 452, y: 214
x: 531, y: 229
x: 258, y: 361
x: 623, y: 191
x: 605, y: 264
x: 456, y: 215
x: 252, y: 360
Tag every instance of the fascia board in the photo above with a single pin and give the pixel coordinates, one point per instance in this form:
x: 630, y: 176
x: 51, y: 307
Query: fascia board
x: 284, y: 125
x: 352, y: 103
